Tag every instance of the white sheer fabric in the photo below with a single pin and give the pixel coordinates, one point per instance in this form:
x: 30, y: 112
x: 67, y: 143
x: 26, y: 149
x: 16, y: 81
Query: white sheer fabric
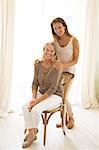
x: 32, y: 31
x: 89, y: 58
x: 6, y: 52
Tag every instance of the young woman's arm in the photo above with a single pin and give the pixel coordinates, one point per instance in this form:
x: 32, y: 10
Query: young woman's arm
x: 75, y: 54
x: 61, y: 65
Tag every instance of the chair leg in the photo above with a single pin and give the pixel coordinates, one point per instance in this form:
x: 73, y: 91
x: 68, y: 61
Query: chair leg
x: 62, y: 121
x: 45, y: 127
x: 62, y: 128
x: 44, y: 142
x: 45, y: 119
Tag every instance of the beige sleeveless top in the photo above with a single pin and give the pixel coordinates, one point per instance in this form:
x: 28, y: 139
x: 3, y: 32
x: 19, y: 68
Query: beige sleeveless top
x: 65, y: 54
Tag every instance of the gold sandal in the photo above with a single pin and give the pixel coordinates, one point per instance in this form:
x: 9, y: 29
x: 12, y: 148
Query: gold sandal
x: 70, y: 123
x: 29, y: 141
x: 26, y: 137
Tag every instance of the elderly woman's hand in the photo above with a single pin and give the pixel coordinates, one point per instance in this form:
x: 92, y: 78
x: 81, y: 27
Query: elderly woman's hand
x: 32, y: 104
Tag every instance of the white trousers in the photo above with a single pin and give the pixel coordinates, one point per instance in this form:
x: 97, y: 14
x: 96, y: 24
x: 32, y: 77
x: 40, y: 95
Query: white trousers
x: 32, y: 118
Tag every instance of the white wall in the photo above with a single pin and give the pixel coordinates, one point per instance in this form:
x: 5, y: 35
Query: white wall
x: 97, y: 47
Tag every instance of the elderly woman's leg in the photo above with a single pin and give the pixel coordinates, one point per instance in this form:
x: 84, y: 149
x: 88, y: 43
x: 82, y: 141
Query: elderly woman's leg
x: 30, y: 126
x: 32, y: 118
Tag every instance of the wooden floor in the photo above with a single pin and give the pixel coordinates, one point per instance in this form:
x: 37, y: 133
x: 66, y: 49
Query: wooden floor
x: 84, y: 136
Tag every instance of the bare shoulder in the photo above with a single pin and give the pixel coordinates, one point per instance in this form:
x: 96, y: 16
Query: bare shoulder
x: 75, y: 41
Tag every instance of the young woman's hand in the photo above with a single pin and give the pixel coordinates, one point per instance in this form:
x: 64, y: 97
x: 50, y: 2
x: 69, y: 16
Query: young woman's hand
x: 37, y: 61
x: 58, y: 65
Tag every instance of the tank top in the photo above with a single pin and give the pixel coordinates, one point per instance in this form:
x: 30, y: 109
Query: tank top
x: 65, y: 54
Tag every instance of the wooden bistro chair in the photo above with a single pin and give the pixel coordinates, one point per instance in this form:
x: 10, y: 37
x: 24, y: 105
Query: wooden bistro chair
x: 62, y: 108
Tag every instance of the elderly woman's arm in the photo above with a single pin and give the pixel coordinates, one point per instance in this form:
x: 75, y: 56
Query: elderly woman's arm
x: 35, y: 83
x: 51, y: 90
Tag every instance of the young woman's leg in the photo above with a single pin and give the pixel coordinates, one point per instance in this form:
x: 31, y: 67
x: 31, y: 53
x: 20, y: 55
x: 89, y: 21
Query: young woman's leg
x: 70, y: 119
x: 67, y: 82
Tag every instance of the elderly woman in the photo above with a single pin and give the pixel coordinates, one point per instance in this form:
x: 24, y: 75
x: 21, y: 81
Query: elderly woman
x: 47, y: 80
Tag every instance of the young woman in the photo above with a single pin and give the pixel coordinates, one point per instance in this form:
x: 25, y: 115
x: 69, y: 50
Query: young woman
x: 67, y: 51
x: 47, y: 79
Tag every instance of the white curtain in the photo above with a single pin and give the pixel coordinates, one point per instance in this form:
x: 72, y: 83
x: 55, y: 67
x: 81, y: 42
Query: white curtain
x: 6, y: 52
x: 88, y: 96
x: 33, y: 30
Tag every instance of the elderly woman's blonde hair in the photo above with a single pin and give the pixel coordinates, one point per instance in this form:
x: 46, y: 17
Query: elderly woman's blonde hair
x: 54, y: 59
